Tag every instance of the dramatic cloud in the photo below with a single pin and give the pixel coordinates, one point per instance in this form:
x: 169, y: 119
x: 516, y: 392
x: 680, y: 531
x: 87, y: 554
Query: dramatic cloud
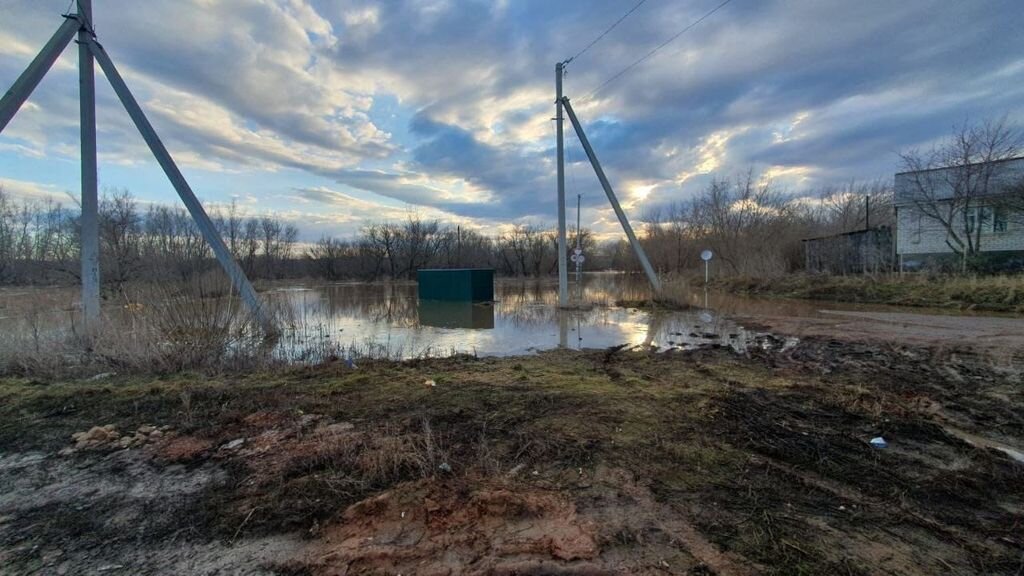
x: 337, y: 112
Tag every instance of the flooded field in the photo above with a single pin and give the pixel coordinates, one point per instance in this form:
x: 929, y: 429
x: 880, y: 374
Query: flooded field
x: 389, y: 320
x: 524, y: 318
x: 320, y: 321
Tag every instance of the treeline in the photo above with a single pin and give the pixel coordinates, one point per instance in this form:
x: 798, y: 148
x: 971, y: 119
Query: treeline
x: 395, y: 250
x: 39, y: 242
x: 753, y: 227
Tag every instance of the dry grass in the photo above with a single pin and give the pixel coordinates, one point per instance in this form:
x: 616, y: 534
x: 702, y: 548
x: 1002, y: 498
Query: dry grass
x: 159, y: 328
x: 995, y: 293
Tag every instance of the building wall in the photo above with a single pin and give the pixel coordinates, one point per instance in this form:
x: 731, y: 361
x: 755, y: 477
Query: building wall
x: 919, y: 234
x: 861, y: 252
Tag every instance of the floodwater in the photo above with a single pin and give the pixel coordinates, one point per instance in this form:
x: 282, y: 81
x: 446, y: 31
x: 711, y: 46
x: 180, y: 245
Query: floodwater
x: 389, y: 320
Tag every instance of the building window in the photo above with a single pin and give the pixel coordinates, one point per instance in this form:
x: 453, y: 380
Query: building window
x: 999, y: 219
x: 985, y: 217
x: 979, y: 218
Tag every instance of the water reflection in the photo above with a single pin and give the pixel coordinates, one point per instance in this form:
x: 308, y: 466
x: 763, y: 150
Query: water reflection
x: 447, y: 314
x: 388, y: 320
x: 523, y: 319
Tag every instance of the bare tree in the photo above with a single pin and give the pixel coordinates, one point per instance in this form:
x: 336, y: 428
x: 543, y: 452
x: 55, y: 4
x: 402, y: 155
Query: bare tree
x: 327, y: 257
x: 959, y: 184
x: 120, y: 232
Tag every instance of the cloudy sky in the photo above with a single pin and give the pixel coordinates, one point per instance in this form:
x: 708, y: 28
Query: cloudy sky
x: 335, y: 113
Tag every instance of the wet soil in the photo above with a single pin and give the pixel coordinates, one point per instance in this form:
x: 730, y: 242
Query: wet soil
x: 998, y: 336
x: 600, y: 462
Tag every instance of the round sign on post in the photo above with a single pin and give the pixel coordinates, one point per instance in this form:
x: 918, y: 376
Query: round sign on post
x: 706, y: 257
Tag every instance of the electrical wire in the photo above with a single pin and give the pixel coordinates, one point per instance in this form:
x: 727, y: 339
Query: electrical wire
x: 640, y: 60
x: 605, y: 33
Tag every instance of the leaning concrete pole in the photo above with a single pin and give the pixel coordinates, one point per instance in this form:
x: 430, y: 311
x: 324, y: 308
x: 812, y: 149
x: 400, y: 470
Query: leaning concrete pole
x: 29, y: 79
x: 563, y: 269
x: 90, y: 244
x: 163, y: 157
x: 637, y: 248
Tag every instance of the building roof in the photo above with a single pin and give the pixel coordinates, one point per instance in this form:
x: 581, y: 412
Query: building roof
x: 1011, y: 173
x: 958, y: 166
x: 841, y: 234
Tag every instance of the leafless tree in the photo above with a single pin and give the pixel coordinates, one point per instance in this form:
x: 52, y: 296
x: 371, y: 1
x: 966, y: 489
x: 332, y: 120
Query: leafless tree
x: 120, y: 233
x: 959, y: 184
x: 327, y: 256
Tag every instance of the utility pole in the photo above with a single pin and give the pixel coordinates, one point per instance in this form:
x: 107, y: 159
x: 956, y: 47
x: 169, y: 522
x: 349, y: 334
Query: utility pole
x: 80, y: 23
x: 90, y: 202
x: 867, y: 212
x: 563, y: 272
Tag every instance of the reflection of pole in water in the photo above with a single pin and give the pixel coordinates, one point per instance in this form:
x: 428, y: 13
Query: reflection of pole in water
x: 563, y: 329
x: 577, y: 255
x: 579, y: 332
x: 654, y: 324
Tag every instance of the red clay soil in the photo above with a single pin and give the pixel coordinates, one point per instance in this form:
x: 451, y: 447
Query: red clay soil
x: 443, y: 527
x: 493, y: 527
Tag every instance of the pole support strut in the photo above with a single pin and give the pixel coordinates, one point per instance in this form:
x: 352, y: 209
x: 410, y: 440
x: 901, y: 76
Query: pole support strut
x: 652, y: 276
x: 195, y: 208
x: 29, y: 79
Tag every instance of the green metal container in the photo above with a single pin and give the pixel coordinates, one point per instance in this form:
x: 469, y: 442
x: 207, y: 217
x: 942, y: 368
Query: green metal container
x: 458, y: 284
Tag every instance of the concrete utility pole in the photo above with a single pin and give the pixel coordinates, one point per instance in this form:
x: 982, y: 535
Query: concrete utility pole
x: 637, y: 248
x: 88, y: 52
x: 90, y: 243
x: 563, y: 271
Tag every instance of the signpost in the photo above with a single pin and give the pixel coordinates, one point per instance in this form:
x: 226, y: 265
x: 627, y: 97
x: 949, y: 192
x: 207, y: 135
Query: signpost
x: 706, y: 257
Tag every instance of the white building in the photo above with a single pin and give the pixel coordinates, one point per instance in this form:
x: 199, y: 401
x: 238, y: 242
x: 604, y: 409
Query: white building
x: 921, y: 238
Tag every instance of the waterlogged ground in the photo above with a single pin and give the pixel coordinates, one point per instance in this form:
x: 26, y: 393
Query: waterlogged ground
x: 688, y: 462
x: 388, y: 320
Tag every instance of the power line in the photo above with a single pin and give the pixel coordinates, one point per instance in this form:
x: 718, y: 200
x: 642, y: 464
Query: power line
x: 655, y: 50
x: 605, y: 33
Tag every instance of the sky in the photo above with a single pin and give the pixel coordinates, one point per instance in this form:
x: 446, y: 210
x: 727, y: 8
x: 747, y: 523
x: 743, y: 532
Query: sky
x: 333, y: 114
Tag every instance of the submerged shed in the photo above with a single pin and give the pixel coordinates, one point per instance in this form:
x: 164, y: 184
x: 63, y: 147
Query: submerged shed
x: 457, y: 284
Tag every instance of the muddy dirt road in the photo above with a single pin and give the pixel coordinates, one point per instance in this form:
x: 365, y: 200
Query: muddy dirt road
x: 996, y: 335
x: 601, y: 462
